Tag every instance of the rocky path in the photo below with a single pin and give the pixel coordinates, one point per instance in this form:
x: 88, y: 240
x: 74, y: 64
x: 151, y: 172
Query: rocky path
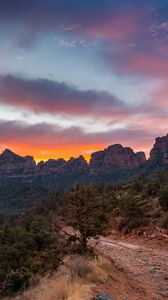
x: 142, y: 270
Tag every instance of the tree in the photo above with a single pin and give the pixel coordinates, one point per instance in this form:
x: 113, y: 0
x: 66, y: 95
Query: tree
x: 138, y: 183
x: 30, y: 244
x: 132, y: 213
x: 87, y: 214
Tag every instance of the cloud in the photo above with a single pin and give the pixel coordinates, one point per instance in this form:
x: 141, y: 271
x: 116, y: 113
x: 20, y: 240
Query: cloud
x: 133, y: 38
x: 42, y: 95
x: 139, y: 64
x: 51, y: 138
x: 160, y: 99
x: 134, y: 33
x: 144, y: 52
x: 71, y: 43
x: 27, y: 19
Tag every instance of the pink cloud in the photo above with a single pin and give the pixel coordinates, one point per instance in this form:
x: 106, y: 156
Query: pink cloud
x: 115, y: 25
x: 71, y: 140
x: 42, y: 95
x: 139, y: 64
x: 160, y: 99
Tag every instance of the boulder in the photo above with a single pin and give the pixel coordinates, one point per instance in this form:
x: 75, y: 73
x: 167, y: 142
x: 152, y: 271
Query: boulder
x: 103, y: 297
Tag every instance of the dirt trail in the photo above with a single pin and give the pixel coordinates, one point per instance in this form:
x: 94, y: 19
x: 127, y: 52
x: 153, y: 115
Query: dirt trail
x: 141, y: 270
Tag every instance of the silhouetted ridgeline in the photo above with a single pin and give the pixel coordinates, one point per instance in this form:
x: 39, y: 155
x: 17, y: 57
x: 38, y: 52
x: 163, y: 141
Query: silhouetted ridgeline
x: 112, y: 165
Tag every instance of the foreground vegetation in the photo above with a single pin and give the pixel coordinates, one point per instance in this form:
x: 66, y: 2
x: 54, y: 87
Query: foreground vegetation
x: 31, y: 244
x: 76, y: 279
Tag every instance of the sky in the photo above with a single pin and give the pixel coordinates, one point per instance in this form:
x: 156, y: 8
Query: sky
x: 77, y: 76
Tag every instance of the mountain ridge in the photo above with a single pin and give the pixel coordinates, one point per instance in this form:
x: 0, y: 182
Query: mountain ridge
x: 111, y: 165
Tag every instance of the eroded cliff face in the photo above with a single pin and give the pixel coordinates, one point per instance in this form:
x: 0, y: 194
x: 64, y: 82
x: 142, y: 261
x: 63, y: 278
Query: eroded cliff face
x: 117, y: 156
x: 51, y: 174
x: 62, y: 167
x: 62, y: 173
x: 159, y: 152
x: 51, y: 166
x: 15, y: 166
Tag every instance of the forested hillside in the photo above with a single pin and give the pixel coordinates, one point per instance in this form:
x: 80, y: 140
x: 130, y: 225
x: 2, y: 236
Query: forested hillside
x: 31, y: 243
x: 17, y: 197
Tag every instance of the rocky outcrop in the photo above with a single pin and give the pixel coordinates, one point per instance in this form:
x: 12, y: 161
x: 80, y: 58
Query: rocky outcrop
x: 15, y: 166
x: 117, y: 156
x: 159, y: 152
x: 52, y: 166
x: 61, y: 173
x: 62, y: 167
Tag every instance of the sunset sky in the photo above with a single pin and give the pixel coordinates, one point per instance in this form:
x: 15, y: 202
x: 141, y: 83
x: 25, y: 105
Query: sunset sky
x: 79, y: 75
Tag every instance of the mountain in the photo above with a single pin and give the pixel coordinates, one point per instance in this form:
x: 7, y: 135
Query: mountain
x: 111, y: 165
x: 158, y: 159
x: 60, y: 173
x: 102, y: 167
x: 159, y: 152
x: 13, y: 166
x: 117, y: 156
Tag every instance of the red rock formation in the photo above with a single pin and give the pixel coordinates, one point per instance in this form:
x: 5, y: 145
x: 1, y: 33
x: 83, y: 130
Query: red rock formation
x: 159, y: 152
x: 14, y: 166
x: 51, y: 166
x: 117, y: 156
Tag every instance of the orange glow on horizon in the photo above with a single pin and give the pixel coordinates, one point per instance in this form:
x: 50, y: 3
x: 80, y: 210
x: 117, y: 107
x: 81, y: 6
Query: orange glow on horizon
x: 66, y: 152
x: 41, y: 154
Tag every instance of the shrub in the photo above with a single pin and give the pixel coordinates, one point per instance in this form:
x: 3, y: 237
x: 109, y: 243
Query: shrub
x: 163, y: 198
x: 132, y: 213
x: 27, y: 248
x: 138, y: 183
x: 164, y: 221
x: 17, y: 280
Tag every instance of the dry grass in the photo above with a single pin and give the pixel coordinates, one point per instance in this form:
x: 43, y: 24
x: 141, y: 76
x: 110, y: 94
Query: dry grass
x: 164, y: 221
x: 75, y: 280
x: 101, y: 269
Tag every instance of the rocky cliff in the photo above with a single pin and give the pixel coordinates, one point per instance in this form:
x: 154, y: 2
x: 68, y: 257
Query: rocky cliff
x: 15, y: 166
x: 117, y: 156
x: 61, y: 173
x: 114, y: 164
x: 159, y: 152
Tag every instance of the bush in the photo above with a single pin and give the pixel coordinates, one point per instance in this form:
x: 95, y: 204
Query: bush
x: 27, y: 248
x: 163, y: 198
x: 164, y: 221
x: 138, y: 183
x: 131, y: 212
x: 17, y: 280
